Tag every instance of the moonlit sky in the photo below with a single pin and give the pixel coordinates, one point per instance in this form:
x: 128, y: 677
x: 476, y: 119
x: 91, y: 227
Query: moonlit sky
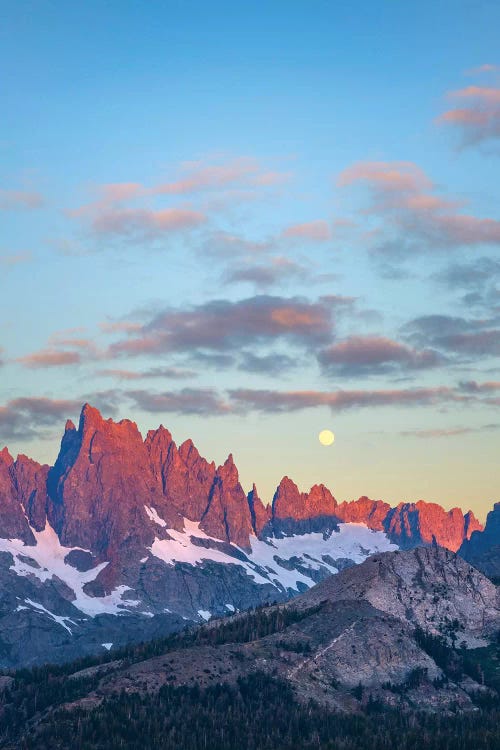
x: 254, y: 221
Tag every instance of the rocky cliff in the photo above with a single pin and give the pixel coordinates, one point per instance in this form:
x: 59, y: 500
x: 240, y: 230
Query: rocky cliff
x: 124, y: 536
x: 482, y: 547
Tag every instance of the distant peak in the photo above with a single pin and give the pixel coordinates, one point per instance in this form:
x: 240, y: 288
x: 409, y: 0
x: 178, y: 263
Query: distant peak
x: 160, y: 434
x: 228, y: 471
x: 5, y: 456
x: 186, y: 447
x: 69, y: 425
x: 89, y: 416
x: 287, y: 483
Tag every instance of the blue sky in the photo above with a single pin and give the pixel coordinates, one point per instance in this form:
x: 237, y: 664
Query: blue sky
x: 251, y: 222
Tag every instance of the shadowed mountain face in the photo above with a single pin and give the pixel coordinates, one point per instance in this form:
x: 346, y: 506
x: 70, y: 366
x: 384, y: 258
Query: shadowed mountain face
x: 482, y: 548
x: 125, y: 537
x: 387, y: 634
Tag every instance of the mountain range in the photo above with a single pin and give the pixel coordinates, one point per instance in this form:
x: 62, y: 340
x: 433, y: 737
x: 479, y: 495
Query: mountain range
x: 126, y: 538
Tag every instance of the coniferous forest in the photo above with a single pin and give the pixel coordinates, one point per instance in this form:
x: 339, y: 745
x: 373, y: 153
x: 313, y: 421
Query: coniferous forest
x: 259, y: 712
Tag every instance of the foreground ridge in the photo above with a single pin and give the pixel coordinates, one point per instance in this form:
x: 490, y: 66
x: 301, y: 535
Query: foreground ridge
x: 347, y: 646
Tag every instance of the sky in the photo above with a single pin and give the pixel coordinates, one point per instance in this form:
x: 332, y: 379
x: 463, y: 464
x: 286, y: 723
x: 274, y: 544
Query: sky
x: 254, y: 221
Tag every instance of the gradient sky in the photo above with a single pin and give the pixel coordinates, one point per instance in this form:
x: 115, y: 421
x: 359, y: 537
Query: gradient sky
x: 253, y: 221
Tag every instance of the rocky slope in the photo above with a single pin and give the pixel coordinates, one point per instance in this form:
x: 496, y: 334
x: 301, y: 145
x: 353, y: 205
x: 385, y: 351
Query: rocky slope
x: 482, y: 548
x: 384, y: 633
x: 124, y: 538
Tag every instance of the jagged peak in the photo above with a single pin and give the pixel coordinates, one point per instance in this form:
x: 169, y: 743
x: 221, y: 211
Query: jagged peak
x: 91, y: 419
x: 5, y: 456
x: 69, y: 426
x: 287, y: 484
x: 160, y: 434
x: 320, y: 489
x: 228, y: 471
x: 22, y: 458
x: 253, y: 492
x: 187, y: 447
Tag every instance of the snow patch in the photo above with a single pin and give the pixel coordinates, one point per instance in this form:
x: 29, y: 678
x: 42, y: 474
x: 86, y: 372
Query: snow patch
x: 107, y: 646
x: 153, y: 516
x: 205, y: 614
x: 49, y: 554
x: 311, y: 552
x: 57, y: 618
x: 230, y: 607
x: 353, y: 541
x: 180, y: 549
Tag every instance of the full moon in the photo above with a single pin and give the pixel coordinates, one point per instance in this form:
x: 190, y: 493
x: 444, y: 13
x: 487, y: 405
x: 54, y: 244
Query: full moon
x: 326, y: 437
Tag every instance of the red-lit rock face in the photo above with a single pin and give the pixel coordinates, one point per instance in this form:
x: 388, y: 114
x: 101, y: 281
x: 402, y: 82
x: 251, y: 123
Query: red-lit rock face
x: 105, y: 475
x: 261, y: 514
x: 228, y: 513
x: 100, y: 484
x: 13, y: 522
x: 370, y: 512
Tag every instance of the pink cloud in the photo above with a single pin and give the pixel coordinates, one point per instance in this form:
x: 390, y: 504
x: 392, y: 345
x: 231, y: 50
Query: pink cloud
x: 119, y: 326
x: 50, y: 358
x: 116, y: 192
x: 55, y: 356
x: 128, y: 221
x: 318, y: 231
x: 404, y: 196
x: 200, y: 176
x: 479, y: 93
x: 479, y: 120
x: 485, y: 68
x: 224, y: 325
x: 388, y: 176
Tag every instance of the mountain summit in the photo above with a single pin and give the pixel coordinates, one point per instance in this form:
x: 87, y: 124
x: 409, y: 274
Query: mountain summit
x: 126, y: 537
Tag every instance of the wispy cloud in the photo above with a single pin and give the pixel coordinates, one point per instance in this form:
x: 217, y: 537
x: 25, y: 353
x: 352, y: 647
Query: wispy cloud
x: 199, y: 176
x: 168, y: 373
x: 61, y: 352
x: 230, y: 245
x: 361, y: 355
x: 478, y: 119
x: 275, y: 402
x: 20, y: 200
x: 463, y: 336
x: 449, y: 432
x: 484, y: 68
x: 263, y: 275
x: 316, y: 231
x: 405, y: 199
x: 130, y: 210
x: 192, y: 401
x: 141, y: 222
x: 50, y: 358
x: 29, y: 417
